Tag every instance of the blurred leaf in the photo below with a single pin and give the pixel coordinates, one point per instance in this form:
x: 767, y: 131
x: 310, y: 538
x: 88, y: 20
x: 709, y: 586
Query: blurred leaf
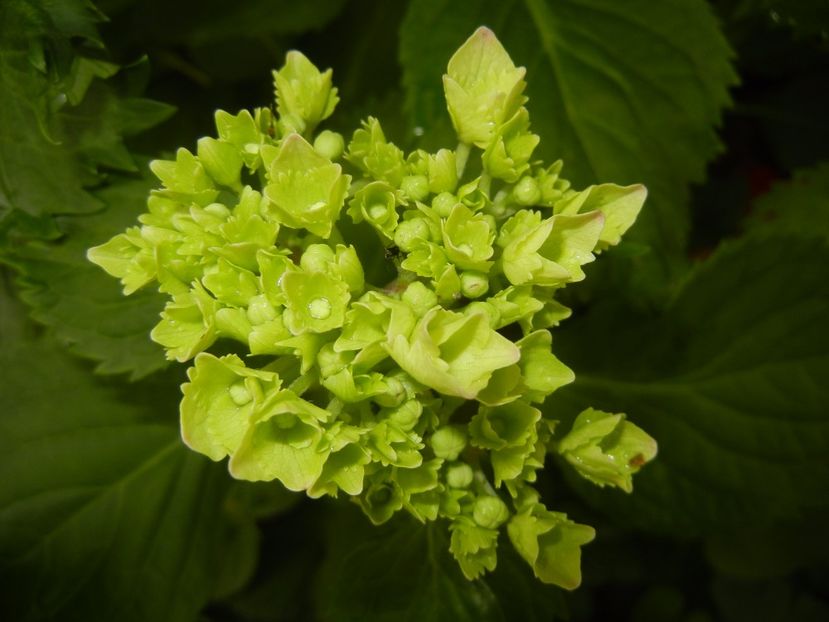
x: 84, y: 305
x: 403, y: 571
x: 34, y: 51
x: 790, y: 115
x: 201, y: 22
x: 730, y: 382
x: 104, y: 515
x: 767, y: 601
x: 50, y: 149
x: 397, y: 572
x: 623, y: 93
x: 806, y: 18
x: 751, y: 552
x: 796, y: 207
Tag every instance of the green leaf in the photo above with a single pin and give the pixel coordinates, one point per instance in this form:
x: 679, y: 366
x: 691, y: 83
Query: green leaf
x: 626, y: 93
x: 103, y: 513
x: 399, y: 572
x: 730, y: 383
x: 59, y: 119
x: 78, y: 300
x: 37, y: 174
x: 797, y: 207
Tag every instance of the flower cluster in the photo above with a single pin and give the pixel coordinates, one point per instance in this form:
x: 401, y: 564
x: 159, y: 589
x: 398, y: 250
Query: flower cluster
x: 418, y: 393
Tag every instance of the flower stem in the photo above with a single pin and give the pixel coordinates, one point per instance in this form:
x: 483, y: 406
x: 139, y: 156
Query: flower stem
x: 461, y: 156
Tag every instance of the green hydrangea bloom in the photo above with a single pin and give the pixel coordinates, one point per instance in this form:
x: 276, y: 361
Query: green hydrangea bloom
x: 419, y: 391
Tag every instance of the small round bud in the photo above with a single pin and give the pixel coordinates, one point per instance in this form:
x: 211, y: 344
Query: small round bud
x: 329, y: 144
x: 459, y: 475
x: 239, y: 393
x: 409, y: 231
x: 218, y: 210
x: 448, y: 442
x: 526, y: 191
x: 260, y: 310
x: 394, y: 395
x: 317, y: 258
x: 474, y: 284
x: 420, y: 297
x: 490, y: 512
x: 443, y: 204
x: 330, y: 362
x: 416, y: 187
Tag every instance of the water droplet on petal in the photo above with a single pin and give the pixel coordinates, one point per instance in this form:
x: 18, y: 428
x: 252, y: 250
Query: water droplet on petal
x: 319, y: 308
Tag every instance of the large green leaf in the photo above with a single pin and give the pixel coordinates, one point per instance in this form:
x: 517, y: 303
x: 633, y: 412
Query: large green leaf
x: 104, y: 515
x: 623, y: 92
x: 731, y: 381
x: 84, y: 305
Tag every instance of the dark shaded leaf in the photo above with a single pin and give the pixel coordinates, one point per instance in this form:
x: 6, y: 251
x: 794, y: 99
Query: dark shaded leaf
x: 730, y: 383
x: 104, y: 515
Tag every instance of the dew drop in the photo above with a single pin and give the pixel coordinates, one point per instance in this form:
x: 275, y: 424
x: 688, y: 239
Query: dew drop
x: 319, y: 308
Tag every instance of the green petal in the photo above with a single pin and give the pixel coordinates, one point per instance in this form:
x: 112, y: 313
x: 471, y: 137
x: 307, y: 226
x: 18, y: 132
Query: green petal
x: 376, y: 203
x: 230, y: 284
x: 344, y: 470
x: 507, y: 156
x: 304, y: 95
x: 187, y: 324
x: 282, y: 443
x: 551, y: 544
x: 306, y: 191
x: 218, y: 402
x: 379, y: 159
x: 128, y: 257
x: 221, y: 161
x: 483, y: 88
x: 185, y: 178
x: 468, y: 239
x: 452, y: 353
x: 315, y: 302
x: 553, y: 251
x: 474, y: 547
x: 606, y: 448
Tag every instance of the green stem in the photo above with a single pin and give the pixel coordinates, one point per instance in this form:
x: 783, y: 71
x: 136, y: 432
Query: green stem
x: 484, y: 183
x: 461, y: 156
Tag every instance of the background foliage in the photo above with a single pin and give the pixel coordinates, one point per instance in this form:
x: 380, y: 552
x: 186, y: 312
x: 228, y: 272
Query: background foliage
x: 707, y: 327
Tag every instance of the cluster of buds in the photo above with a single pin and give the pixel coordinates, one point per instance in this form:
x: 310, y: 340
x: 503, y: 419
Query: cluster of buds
x: 421, y: 392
